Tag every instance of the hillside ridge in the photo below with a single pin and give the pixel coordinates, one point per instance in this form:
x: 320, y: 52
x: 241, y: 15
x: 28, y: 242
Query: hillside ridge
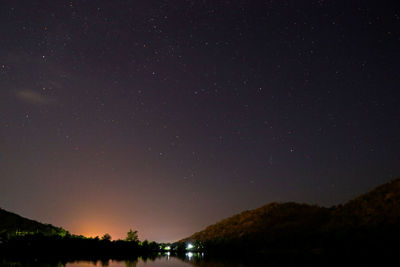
x: 378, y: 207
x: 12, y: 224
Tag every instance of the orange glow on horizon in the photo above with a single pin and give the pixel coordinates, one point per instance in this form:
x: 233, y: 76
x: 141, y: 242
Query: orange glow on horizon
x: 94, y: 226
x: 91, y: 229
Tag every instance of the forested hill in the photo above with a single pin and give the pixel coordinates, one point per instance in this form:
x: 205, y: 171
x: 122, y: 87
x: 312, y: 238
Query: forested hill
x: 379, y: 207
x: 267, y: 220
x: 374, y: 215
x: 12, y: 224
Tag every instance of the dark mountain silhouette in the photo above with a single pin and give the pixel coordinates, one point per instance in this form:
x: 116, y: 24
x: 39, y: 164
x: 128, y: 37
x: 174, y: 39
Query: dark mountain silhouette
x: 265, y: 221
x: 22, y: 238
x: 12, y: 224
x: 370, y: 221
x: 379, y: 207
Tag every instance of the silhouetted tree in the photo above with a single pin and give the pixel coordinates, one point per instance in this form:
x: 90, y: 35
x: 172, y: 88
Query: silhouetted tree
x: 106, y: 237
x: 153, y: 246
x: 132, y: 236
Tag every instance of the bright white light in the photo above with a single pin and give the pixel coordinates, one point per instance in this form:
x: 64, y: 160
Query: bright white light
x: 189, y: 255
x: 189, y: 246
x: 167, y: 248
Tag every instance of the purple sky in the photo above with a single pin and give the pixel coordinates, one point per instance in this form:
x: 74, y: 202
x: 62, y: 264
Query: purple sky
x: 167, y: 116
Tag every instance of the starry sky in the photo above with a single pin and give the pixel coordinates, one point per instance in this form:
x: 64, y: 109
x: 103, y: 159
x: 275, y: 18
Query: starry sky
x: 167, y: 116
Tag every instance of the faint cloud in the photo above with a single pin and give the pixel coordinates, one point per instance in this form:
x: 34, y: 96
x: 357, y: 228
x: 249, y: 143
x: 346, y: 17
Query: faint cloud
x: 34, y: 97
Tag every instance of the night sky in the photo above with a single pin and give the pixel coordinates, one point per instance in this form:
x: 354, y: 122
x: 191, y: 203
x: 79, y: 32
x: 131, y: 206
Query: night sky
x: 167, y: 116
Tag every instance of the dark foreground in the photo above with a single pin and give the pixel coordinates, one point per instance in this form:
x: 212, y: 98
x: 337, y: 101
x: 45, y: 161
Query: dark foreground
x: 349, y: 248
x: 201, y: 260
x: 70, y: 248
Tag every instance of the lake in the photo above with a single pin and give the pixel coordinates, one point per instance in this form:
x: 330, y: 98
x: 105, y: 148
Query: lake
x: 191, y: 259
x: 195, y: 260
x: 159, y: 262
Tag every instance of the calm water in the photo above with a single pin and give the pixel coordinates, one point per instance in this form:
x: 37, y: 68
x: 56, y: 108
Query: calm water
x: 161, y: 261
x: 197, y: 260
x: 191, y: 259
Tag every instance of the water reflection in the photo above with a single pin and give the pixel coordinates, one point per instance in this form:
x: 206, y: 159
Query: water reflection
x: 163, y: 261
x: 190, y: 259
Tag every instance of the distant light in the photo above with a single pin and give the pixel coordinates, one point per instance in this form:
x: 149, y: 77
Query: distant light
x: 189, y: 246
x: 167, y: 248
x: 189, y: 255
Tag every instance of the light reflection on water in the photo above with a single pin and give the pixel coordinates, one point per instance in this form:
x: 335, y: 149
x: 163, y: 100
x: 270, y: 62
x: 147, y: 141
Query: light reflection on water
x: 161, y: 261
x: 165, y: 261
x: 191, y: 259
